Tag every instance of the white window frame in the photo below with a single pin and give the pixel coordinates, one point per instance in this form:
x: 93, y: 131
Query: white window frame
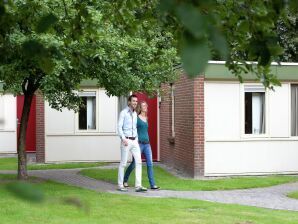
x: 242, y: 111
x: 90, y: 131
x: 293, y: 137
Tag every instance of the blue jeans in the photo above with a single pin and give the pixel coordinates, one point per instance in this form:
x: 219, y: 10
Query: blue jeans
x: 146, y: 150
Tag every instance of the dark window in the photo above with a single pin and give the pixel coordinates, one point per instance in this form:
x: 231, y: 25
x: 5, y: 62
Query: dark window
x: 254, y: 110
x: 87, y: 111
x: 248, y: 113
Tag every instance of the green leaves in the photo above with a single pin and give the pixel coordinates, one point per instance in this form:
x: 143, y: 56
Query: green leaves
x: 243, y: 26
x: 33, y: 193
x: 192, y: 20
x: 235, y: 31
x: 250, y: 28
x: 36, y: 50
x: 166, y: 6
x: 26, y: 191
x: 293, y: 6
x: 2, y: 9
x: 194, y: 55
x: 46, y: 22
x: 33, y: 48
x: 199, y: 33
x: 219, y: 43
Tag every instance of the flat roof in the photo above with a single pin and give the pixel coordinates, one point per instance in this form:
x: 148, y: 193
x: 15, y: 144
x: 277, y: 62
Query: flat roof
x: 84, y: 83
x: 216, y: 70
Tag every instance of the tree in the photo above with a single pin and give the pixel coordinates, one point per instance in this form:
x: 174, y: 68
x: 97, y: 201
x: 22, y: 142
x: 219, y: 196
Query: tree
x: 288, y: 37
x: 236, y: 31
x: 51, y: 46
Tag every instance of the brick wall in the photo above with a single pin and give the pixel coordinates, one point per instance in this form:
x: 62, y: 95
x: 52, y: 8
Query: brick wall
x: 166, y: 149
x: 199, y: 126
x: 186, y: 154
x: 40, y: 129
x: 184, y: 128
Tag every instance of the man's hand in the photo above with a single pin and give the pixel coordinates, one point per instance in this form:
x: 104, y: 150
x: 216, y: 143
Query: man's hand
x: 125, y: 142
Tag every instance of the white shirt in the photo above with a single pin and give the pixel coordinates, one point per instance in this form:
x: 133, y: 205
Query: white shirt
x: 127, y: 123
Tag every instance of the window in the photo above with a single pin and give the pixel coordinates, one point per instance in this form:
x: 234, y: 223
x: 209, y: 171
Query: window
x: 87, y: 112
x: 254, y: 109
x: 122, y: 103
x: 294, y: 110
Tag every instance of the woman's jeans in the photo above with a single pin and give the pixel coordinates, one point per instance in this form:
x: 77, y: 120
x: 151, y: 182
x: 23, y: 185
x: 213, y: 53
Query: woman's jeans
x: 146, y: 150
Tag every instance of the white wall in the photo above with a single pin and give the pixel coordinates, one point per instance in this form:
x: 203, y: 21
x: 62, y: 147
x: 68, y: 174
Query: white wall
x: 228, y: 151
x: 82, y: 148
x: 64, y: 142
x: 280, y: 112
x: 251, y: 157
x: 8, y: 138
x: 108, y: 113
x: 222, y: 116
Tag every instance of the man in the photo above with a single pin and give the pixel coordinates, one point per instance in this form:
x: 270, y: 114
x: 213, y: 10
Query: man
x: 127, y: 129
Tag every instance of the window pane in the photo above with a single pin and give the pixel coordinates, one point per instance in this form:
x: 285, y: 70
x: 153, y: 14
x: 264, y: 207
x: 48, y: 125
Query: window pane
x: 258, y: 118
x: 248, y: 113
x: 294, y: 110
x: 83, y: 114
x: 91, y: 114
x: 254, y: 113
x: 87, y: 112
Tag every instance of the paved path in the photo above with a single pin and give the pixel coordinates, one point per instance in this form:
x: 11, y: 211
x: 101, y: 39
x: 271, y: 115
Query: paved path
x: 269, y: 197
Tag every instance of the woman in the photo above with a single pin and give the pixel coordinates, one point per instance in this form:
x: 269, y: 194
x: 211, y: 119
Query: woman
x: 143, y: 137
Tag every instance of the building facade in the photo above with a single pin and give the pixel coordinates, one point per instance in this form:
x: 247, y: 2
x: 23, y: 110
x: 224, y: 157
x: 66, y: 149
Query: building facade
x: 213, y: 125
x: 67, y: 136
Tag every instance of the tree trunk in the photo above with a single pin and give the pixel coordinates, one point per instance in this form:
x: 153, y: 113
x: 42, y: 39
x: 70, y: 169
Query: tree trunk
x: 22, y: 160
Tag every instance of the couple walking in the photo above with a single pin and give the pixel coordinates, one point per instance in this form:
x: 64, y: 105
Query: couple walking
x: 133, y: 131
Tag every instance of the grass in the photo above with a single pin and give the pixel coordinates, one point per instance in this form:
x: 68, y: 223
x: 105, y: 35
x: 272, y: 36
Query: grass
x: 170, y: 182
x: 11, y: 164
x: 113, y: 208
x: 293, y: 194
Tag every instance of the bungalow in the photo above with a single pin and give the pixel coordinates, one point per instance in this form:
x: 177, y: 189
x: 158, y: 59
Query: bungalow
x: 213, y: 125
x: 90, y: 135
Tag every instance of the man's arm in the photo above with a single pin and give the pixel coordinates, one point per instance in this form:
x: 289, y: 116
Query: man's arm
x: 120, y: 125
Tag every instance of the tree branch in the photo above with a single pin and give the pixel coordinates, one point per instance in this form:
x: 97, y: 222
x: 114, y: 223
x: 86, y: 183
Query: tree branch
x: 36, y: 85
x: 24, y: 85
x: 65, y: 8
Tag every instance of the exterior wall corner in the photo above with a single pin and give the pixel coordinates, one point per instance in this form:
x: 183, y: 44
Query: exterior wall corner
x: 40, y: 128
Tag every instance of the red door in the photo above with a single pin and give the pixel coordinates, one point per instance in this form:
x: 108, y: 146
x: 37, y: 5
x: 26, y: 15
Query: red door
x: 153, y: 122
x: 31, y: 131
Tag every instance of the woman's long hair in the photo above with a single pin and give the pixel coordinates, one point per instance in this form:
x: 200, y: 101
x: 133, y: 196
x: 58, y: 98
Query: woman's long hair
x: 139, y: 108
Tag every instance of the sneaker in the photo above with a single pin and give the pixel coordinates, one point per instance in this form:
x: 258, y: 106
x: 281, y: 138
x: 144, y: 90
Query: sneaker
x: 125, y: 184
x: 141, y: 189
x: 155, y: 187
x: 123, y: 189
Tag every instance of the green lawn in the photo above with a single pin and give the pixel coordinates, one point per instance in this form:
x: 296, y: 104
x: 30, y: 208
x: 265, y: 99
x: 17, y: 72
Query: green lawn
x: 11, y: 164
x: 293, y: 194
x: 113, y: 208
x: 168, y: 181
